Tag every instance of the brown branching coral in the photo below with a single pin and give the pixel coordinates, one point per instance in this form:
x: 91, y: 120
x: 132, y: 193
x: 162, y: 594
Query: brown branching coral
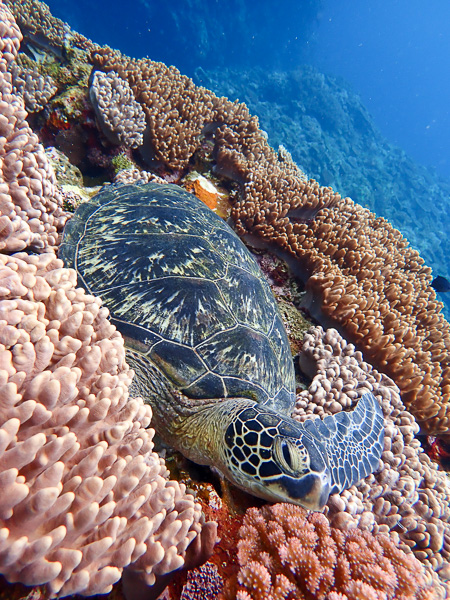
x: 367, y: 281
x: 121, y: 118
x: 83, y: 495
x: 285, y: 553
x: 408, y: 497
x: 179, y: 114
x: 31, y: 212
x: 175, y: 108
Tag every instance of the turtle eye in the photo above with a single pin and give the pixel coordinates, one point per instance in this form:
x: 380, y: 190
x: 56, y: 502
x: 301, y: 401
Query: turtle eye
x: 286, y: 454
x: 290, y: 457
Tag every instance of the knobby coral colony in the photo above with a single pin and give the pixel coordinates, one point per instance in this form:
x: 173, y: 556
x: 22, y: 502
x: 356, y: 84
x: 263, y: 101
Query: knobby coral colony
x: 324, y: 562
x: 408, y: 497
x: 63, y: 364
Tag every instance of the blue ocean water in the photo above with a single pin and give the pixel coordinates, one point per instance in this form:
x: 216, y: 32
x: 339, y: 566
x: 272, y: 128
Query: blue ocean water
x: 395, y: 54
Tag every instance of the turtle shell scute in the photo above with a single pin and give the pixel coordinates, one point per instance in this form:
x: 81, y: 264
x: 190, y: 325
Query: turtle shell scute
x: 184, y: 291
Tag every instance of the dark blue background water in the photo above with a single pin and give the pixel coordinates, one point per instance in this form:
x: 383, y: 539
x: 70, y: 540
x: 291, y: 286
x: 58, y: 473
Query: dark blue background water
x: 394, y: 53
x: 397, y: 55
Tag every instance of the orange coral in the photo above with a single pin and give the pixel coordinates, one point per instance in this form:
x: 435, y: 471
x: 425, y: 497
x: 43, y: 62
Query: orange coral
x: 208, y: 193
x: 287, y: 554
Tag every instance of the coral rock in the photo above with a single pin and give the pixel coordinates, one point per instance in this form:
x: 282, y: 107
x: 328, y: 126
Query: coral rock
x: 121, y: 118
x: 31, y: 212
x: 83, y: 495
x: 35, y: 89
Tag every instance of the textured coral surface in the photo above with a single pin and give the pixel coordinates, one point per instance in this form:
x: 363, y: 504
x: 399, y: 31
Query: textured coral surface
x: 35, y: 89
x: 30, y: 204
x: 120, y: 116
x: 83, y: 493
x: 408, y: 496
x: 286, y: 553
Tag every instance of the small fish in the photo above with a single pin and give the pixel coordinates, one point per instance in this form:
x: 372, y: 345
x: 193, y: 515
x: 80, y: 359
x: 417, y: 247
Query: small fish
x: 441, y: 284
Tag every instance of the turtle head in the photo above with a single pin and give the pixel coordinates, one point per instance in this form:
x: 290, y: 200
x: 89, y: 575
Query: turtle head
x: 274, y: 458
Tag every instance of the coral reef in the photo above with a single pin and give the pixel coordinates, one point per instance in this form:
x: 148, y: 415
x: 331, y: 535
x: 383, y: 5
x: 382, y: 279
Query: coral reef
x: 408, y: 497
x: 179, y: 114
x: 84, y: 495
x: 175, y: 108
x: 30, y: 203
x: 362, y: 275
x: 35, y: 89
x: 322, y: 563
x: 121, y: 118
x: 208, y: 192
x: 128, y: 176
x: 66, y: 173
x: 334, y: 139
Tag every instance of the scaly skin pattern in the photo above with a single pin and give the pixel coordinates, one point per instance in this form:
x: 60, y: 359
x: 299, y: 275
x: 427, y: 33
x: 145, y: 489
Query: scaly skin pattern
x: 261, y: 450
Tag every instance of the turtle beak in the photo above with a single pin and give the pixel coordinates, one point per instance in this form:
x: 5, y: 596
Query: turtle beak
x: 310, y: 491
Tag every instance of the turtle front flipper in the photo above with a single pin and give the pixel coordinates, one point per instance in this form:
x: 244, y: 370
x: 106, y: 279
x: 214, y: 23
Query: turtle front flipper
x: 353, y: 441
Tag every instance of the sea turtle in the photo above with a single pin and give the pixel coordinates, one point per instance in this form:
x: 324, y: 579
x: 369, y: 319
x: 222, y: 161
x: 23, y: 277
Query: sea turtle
x: 208, y: 346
